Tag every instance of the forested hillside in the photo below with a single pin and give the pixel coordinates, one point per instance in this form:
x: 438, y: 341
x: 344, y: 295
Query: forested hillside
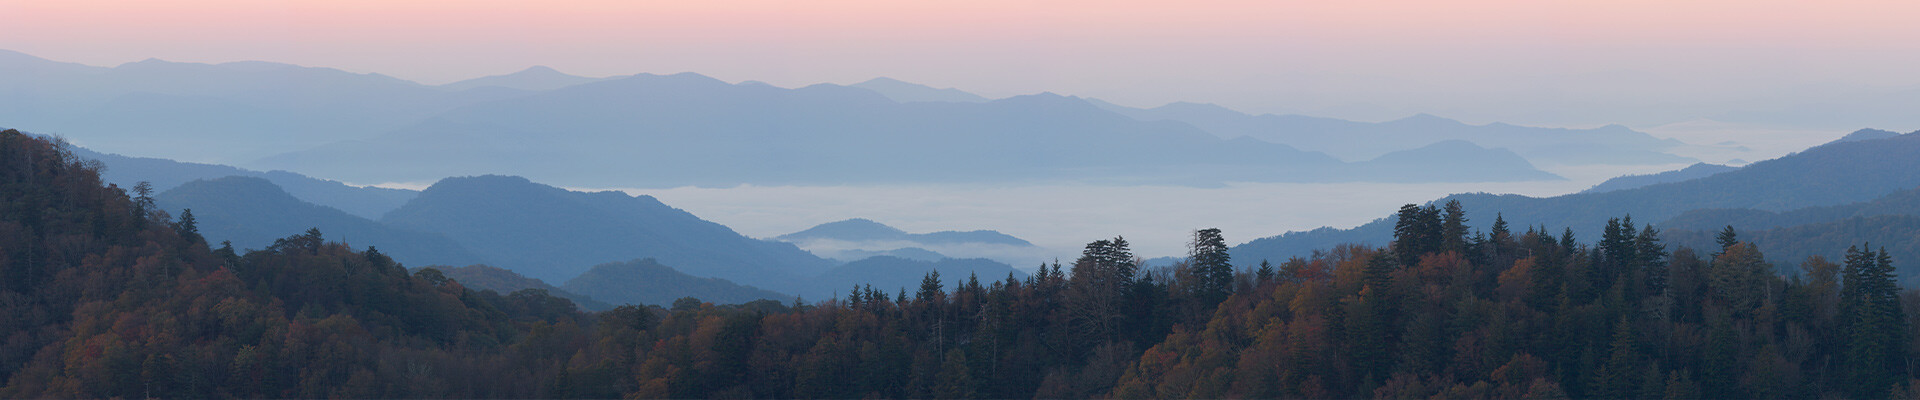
x: 1863, y: 168
x: 106, y: 296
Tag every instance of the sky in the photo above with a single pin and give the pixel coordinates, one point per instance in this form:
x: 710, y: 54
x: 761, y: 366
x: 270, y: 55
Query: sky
x: 1557, y: 63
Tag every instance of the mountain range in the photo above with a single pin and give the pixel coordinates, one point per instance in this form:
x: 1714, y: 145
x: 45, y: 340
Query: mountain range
x: 1848, y: 190
x: 626, y: 131
x: 164, y: 174
x: 252, y: 212
x: 1353, y: 141
x: 1691, y: 172
x: 629, y: 132
x: 555, y: 234
x: 577, y: 233
x: 645, y: 281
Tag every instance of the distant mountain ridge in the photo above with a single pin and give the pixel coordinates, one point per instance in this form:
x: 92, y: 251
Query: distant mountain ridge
x: 1904, y: 202
x: 575, y: 131
x: 535, y: 78
x: 1828, y: 175
x: 646, y: 281
x: 227, y: 112
x: 862, y: 229
x: 504, y: 282
x: 1351, y: 140
x: 252, y: 212
x: 717, y: 134
x: 908, y: 92
x: 859, y: 238
x: 164, y: 174
x: 1691, y: 172
x: 555, y: 234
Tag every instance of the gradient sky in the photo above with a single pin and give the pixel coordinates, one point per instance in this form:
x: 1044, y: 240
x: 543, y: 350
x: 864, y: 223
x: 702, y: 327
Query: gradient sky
x: 1638, y: 62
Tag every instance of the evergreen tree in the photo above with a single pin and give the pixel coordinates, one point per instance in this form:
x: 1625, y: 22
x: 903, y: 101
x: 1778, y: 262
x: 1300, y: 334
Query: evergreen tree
x: 1453, y: 227
x: 1873, y: 323
x: 1727, y: 238
x: 187, y: 227
x: 1500, y: 233
x: 1652, y: 259
x: 932, y: 290
x: 1416, y: 231
x: 1265, y: 273
x: 1207, y: 256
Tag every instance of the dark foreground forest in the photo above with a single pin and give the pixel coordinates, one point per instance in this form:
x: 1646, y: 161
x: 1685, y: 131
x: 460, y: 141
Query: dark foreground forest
x: 105, y: 296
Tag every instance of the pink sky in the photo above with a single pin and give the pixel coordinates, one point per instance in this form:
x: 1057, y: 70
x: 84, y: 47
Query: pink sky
x: 1463, y: 58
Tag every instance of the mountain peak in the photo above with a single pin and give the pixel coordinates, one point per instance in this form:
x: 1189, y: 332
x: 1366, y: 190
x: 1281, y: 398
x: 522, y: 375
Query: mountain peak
x: 1425, y: 118
x: 855, y: 229
x: 1866, y: 134
x: 908, y: 92
x: 538, y: 77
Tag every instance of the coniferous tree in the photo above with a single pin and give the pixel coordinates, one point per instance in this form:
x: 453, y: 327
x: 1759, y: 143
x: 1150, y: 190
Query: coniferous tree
x: 1097, y: 290
x: 1726, y: 238
x: 187, y: 227
x: 1873, y: 323
x: 1453, y: 227
x: 1207, y: 256
x: 1416, y: 231
x: 1652, y: 259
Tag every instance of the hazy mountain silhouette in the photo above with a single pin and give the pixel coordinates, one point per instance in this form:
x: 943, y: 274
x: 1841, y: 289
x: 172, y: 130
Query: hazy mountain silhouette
x: 1691, y: 172
x: 504, y: 282
x: 907, y: 92
x: 210, y: 112
x: 555, y: 234
x: 1448, y: 161
x: 1351, y: 140
x: 164, y: 174
x: 910, y: 253
x: 1864, y: 134
x: 709, y: 132
x: 645, y: 281
x: 1832, y: 174
x: 252, y: 212
x: 569, y: 130
x: 1904, y: 202
x: 862, y: 229
x: 534, y: 78
x: 860, y: 238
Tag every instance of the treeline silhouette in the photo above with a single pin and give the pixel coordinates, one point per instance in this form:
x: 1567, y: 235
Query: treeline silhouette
x: 105, y: 296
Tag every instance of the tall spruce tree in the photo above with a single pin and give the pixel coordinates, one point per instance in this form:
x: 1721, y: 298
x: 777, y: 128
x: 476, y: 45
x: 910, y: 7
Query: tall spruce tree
x: 1873, y: 324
